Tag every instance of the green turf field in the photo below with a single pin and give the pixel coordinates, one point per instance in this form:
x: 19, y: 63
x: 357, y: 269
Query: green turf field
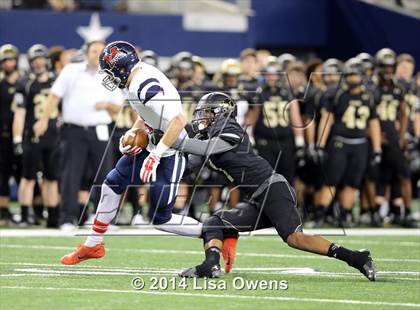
x: 32, y: 278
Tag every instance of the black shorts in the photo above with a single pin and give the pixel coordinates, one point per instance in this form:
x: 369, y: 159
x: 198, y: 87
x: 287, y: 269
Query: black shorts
x: 345, y: 164
x: 393, y: 164
x: 42, y: 156
x: 275, y: 207
x: 312, y: 174
x: 280, y: 154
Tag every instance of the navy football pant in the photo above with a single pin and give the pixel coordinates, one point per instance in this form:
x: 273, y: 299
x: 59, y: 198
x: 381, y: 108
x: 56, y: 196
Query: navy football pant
x: 162, y: 192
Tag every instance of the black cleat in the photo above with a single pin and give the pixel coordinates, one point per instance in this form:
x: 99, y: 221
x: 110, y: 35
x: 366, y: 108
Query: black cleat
x: 365, y: 264
x: 202, y: 271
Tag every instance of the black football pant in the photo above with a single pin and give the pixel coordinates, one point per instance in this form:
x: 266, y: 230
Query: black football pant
x: 80, y: 148
x: 275, y: 207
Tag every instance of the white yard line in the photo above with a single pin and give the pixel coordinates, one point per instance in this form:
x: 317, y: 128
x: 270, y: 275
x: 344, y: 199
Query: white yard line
x: 124, y: 271
x: 222, y: 296
x: 150, y: 231
x: 179, y: 252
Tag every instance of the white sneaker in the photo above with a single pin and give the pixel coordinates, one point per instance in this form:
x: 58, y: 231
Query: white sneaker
x: 67, y: 227
x: 138, y: 219
x: 365, y: 218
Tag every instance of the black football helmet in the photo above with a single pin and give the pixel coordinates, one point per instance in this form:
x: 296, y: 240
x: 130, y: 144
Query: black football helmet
x: 211, y: 107
x: 117, y: 60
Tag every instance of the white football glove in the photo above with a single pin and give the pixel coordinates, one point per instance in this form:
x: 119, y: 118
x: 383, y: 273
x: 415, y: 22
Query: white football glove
x: 128, y: 149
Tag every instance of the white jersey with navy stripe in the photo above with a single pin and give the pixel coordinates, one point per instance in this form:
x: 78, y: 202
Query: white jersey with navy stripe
x: 155, y: 99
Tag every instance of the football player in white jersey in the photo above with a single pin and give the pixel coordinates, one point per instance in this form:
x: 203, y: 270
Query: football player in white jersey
x: 158, y: 105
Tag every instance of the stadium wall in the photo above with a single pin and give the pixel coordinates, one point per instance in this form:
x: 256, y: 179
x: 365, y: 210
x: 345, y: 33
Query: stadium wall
x: 330, y: 27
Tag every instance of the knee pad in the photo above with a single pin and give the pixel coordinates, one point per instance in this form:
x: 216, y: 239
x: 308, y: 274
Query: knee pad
x: 116, y: 181
x: 212, y: 228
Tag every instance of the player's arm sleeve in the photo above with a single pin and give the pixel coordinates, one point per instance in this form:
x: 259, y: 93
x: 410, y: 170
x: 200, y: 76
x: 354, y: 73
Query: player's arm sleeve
x: 373, y: 114
x: 19, y: 99
x: 193, y: 164
x: 327, y: 102
x: 203, y: 147
x: 62, y: 82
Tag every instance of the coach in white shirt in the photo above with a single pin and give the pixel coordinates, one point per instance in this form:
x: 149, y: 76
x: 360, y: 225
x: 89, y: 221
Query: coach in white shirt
x: 86, y: 108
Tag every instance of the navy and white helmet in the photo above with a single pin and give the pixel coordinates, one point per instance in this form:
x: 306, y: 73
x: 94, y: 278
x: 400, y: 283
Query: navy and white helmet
x: 117, y: 60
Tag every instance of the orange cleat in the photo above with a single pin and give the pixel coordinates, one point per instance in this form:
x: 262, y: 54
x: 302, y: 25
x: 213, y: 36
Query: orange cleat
x: 228, y: 253
x: 83, y: 253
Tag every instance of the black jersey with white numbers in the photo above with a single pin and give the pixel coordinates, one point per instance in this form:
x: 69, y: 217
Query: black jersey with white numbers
x: 33, y: 98
x: 274, y: 120
x: 241, y: 165
x: 388, y: 100
x: 352, y: 113
x: 7, y: 93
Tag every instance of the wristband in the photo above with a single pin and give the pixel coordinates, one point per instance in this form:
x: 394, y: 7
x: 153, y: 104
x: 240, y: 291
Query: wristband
x: 160, y: 149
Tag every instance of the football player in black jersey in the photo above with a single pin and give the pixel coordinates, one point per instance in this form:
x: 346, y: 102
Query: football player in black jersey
x: 404, y: 75
x: 308, y: 170
x: 346, y: 120
x: 9, y: 162
x: 368, y: 65
x: 272, y: 203
x: 393, y: 115
x: 273, y: 131
x: 182, y: 65
x: 38, y: 154
x: 249, y: 68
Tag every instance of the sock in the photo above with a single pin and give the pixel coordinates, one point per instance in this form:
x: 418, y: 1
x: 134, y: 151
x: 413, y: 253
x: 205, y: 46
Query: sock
x: 396, y: 210
x: 213, y: 255
x: 52, y: 220
x: 341, y: 253
x: 24, y: 213
x: 345, y: 214
x: 38, y: 210
x: 363, y: 211
x: 182, y: 225
x: 106, y: 212
x: 5, y: 213
x: 320, y: 212
x: 375, y: 208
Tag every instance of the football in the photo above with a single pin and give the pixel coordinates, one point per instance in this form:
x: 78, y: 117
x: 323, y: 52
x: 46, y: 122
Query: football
x: 136, y: 137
